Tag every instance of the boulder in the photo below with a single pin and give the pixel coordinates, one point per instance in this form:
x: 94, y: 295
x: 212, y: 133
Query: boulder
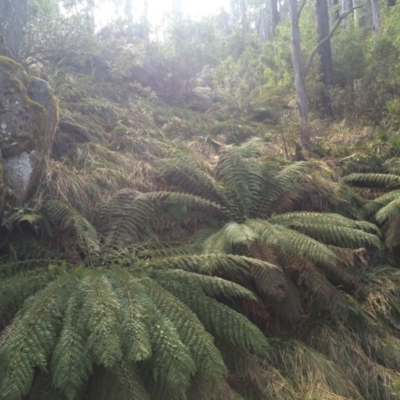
x: 28, y: 121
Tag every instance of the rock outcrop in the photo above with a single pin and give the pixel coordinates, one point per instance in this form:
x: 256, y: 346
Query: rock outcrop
x: 28, y: 121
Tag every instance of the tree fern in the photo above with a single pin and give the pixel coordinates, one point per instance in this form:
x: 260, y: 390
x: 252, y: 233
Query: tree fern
x: 149, y: 314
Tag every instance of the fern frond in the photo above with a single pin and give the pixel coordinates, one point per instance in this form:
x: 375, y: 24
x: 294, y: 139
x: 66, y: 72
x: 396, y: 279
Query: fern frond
x: 210, y: 286
x: 190, y: 178
x: 323, y: 296
x: 207, y: 358
x: 375, y: 205
x: 71, y: 363
x: 292, y: 242
x: 15, y: 289
x: 296, y: 218
x: 60, y: 216
x: 242, y: 173
x: 123, y: 382
x: 330, y: 228
x: 231, y: 235
x: 374, y: 181
x: 29, y: 342
x: 171, y: 365
x: 236, y: 329
x: 135, y: 339
x: 124, y: 219
x: 392, y: 232
x: 42, y: 389
x: 208, y: 264
x: 389, y: 211
x: 100, y: 311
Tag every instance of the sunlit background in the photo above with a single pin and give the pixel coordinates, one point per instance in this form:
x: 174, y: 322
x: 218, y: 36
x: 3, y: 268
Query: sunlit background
x: 160, y: 11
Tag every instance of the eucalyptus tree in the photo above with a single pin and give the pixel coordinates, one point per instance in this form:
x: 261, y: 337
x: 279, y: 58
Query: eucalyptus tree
x: 325, y: 53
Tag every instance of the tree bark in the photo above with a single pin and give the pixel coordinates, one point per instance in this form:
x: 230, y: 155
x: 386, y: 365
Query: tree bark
x: 375, y: 15
x: 301, y: 92
x: 276, y: 17
x: 325, y: 53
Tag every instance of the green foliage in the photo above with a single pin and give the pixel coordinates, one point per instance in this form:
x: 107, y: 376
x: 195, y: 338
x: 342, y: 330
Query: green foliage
x: 91, y: 320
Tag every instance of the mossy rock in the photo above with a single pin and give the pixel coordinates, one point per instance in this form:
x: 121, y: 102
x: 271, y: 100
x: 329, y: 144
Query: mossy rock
x: 28, y: 120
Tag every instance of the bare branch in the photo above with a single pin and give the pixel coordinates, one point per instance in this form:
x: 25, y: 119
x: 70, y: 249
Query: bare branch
x: 326, y: 38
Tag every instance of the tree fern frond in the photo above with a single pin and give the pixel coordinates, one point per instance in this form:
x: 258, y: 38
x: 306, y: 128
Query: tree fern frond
x: 121, y: 220
x: 100, y: 311
x: 292, y: 242
x: 235, y: 329
x: 15, y: 289
x: 375, y: 181
x: 330, y: 228
x: 210, y: 286
x: 389, y: 211
x: 250, y: 371
x: 375, y: 205
x: 289, y: 174
x: 294, y: 219
x: 184, y: 200
x: 123, y: 382
x: 392, y: 232
x: 29, y: 342
x: 181, y: 172
x: 171, y: 365
x: 28, y: 253
x: 60, y: 216
x: 42, y: 389
x: 167, y: 251
x: 207, y: 358
x: 135, y: 338
x: 71, y: 363
x: 208, y: 264
x: 322, y: 294
x: 241, y: 172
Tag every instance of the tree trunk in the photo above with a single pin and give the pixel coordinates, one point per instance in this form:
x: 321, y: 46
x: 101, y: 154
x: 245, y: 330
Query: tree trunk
x: 325, y: 53
x: 335, y: 12
x: 243, y: 15
x: 375, y: 15
x: 275, y: 15
x: 302, y: 100
x: 345, y: 8
x: 13, y: 21
x: 128, y: 6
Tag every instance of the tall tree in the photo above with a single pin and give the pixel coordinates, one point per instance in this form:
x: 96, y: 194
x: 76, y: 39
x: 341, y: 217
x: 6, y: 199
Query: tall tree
x: 325, y: 54
x: 375, y: 15
x: 275, y: 15
x: 299, y: 78
x: 13, y: 22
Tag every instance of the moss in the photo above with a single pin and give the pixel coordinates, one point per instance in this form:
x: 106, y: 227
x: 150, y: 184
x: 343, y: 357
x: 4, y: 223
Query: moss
x: 13, y: 84
x: 9, y: 65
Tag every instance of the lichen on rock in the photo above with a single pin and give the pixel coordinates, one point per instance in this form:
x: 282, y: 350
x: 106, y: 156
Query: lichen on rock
x: 28, y: 120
